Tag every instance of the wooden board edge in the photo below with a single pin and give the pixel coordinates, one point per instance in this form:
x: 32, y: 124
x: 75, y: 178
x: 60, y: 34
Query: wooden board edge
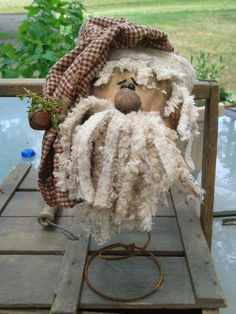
x: 209, y: 159
x: 7, y: 188
x: 30, y: 182
x: 24, y: 311
x: 187, y: 216
x: 211, y: 311
x: 32, y: 252
x: 71, y: 273
x: 15, y: 87
x: 216, y: 302
x: 154, y: 252
x: 201, y: 90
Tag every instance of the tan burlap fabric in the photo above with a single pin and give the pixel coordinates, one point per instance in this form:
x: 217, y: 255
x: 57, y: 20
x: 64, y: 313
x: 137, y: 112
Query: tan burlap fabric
x: 71, y: 76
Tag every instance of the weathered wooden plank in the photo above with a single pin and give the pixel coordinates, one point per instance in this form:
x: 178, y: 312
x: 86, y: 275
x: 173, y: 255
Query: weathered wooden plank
x: 165, y: 238
x: 25, y: 311
x: 151, y: 311
x: 224, y: 213
x: 209, y: 160
x: 25, y: 236
x: 27, y: 281
x: 15, y: 87
x: 206, y: 285
x: 95, y: 312
x: 24, y: 204
x: 134, y: 276
x: 163, y: 311
x: 70, y: 278
x: 30, y: 182
x: 11, y: 182
x: 92, y: 312
x: 30, y: 204
x: 166, y: 211
x: 201, y: 90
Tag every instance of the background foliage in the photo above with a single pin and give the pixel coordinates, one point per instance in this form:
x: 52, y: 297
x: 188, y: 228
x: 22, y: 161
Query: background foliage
x: 205, y: 68
x: 46, y: 35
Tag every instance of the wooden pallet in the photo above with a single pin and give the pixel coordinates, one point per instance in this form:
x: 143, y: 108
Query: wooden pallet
x: 41, y: 271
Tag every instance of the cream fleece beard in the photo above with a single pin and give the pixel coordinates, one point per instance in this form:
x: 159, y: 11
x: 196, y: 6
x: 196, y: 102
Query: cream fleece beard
x: 122, y: 166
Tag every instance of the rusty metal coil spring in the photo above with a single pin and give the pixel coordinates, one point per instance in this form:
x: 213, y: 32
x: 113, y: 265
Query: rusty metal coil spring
x: 133, y: 250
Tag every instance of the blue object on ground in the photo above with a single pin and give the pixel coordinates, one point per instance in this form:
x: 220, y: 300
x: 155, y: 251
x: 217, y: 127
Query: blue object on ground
x: 28, y: 152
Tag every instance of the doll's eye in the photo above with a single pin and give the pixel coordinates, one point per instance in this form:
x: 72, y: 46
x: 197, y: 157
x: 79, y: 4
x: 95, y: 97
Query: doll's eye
x: 123, y: 86
x: 131, y: 86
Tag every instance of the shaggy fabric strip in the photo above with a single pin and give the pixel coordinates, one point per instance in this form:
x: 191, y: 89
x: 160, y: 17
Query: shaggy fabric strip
x: 122, y: 166
x: 149, y: 62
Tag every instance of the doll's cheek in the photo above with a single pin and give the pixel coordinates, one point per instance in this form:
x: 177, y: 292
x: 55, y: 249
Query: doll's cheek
x: 103, y: 92
x: 152, y: 100
x: 107, y: 91
x: 100, y: 91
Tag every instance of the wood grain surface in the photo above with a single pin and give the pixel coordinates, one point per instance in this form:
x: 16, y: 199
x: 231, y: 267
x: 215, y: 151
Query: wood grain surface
x: 209, y: 159
x: 24, y: 235
x: 205, y: 282
x: 30, y: 182
x: 10, y: 184
x: 165, y: 238
x: 70, y: 278
x: 127, y: 278
x: 28, y: 280
x: 30, y: 204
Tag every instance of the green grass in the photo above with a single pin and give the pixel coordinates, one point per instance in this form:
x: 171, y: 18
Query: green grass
x: 13, y: 6
x: 192, y: 25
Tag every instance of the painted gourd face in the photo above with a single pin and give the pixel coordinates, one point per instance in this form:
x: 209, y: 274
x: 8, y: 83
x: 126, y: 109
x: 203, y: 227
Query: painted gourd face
x: 127, y: 95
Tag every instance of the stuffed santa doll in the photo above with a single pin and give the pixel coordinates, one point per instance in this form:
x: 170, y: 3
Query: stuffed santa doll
x: 125, y: 99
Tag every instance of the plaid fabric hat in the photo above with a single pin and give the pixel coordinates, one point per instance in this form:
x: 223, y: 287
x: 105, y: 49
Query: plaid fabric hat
x: 69, y: 79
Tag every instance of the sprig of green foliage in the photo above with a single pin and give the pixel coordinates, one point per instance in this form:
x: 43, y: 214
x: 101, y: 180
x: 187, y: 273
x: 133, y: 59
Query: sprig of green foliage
x: 227, y: 96
x: 44, y: 37
x: 208, y: 70
x: 36, y: 102
x: 205, y: 68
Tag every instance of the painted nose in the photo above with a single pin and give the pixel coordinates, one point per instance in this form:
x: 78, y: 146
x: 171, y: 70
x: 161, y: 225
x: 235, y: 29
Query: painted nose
x: 126, y: 100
